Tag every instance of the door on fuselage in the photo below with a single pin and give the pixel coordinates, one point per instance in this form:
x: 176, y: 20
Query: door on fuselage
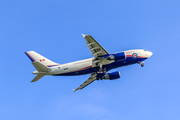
x: 65, y: 67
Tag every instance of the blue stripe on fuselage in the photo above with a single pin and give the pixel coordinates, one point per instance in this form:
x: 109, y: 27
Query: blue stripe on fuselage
x: 81, y: 72
x: 116, y: 64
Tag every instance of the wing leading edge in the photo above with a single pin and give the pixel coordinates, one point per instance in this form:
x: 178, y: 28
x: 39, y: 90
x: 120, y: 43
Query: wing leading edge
x: 91, y: 79
x: 94, y: 46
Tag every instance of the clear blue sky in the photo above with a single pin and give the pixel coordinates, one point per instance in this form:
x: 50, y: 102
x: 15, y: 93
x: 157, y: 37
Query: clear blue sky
x: 54, y: 28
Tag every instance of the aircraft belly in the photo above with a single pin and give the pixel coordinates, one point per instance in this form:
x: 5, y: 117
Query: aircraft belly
x: 127, y: 61
x: 80, y: 72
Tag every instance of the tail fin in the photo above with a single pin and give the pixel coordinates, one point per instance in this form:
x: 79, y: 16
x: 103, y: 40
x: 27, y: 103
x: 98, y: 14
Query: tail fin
x: 34, y: 57
x: 40, y: 63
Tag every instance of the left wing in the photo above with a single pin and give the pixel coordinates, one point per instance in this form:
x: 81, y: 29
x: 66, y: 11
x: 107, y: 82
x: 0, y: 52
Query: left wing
x: 91, y: 79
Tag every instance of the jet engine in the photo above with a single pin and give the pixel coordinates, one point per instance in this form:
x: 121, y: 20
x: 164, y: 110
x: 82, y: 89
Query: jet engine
x: 112, y: 75
x: 116, y: 56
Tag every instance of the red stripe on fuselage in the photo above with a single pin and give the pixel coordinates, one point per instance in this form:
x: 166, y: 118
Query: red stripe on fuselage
x: 128, y: 55
x: 132, y: 56
x: 51, y: 65
x: 30, y: 56
x: 141, y: 57
x: 80, y: 69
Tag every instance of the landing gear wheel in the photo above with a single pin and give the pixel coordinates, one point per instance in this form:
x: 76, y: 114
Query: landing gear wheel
x: 142, y: 65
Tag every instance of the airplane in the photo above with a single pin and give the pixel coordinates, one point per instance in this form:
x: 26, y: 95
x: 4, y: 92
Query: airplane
x: 97, y: 67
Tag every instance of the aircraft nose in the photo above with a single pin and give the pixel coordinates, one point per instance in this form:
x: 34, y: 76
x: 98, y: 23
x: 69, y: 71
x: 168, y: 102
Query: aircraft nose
x: 149, y: 54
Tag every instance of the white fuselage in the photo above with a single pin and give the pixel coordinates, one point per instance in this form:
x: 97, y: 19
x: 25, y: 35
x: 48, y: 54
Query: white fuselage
x: 77, y: 66
x: 71, y: 67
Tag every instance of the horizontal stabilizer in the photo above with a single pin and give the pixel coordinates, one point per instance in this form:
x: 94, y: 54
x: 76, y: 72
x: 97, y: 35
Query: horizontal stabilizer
x: 40, y: 67
x: 39, y: 76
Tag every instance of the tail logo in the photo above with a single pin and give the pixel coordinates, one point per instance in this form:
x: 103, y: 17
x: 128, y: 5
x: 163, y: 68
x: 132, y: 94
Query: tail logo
x: 42, y: 60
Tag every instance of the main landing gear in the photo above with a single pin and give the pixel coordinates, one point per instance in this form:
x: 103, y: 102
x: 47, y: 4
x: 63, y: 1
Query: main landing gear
x: 142, y: 65
x: 101, y: 69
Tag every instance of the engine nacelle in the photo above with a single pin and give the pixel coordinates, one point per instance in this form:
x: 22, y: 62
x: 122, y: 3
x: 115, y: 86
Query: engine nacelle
x: 117, y: 56
x: 112, y: 75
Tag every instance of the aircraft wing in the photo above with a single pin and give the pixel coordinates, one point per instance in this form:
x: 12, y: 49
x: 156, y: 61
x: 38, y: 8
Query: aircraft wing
x: 91, y: 79
x: 97, y: 51
x: 94, y: 46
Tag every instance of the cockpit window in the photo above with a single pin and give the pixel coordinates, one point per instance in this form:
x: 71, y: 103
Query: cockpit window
x: 145, y: 50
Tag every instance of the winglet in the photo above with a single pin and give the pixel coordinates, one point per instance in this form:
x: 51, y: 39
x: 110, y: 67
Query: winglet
x: 74, y: 90
x: 83, y: 35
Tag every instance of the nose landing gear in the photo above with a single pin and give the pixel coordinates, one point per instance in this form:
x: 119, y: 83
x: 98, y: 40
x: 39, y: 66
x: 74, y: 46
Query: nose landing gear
x: 142, y: 65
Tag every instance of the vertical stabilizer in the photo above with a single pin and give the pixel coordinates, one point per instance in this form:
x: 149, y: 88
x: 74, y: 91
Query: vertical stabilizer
x: 35, y: 57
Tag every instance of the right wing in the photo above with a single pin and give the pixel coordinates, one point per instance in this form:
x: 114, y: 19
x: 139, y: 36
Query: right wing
x: 94, y: 46
x: 91, y: 79
x: 98, y: 51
